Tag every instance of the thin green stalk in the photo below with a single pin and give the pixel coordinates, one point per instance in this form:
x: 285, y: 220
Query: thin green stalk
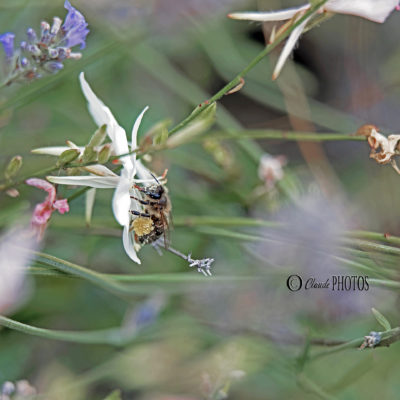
x: 78, y: 193
x: 237, y: 79
x: 104, y: 224
x: 388, y: 337
x: 113, y: 336
x: 366, y: 245
x: 191, y: 220
x: 284, y: 135
x: 380, y: 237
x: 148, y: 278
x: 41, y: 172
x: 389, y: 284
x: 362, y: 267
x: 46, y: 171
x: 96, y: 278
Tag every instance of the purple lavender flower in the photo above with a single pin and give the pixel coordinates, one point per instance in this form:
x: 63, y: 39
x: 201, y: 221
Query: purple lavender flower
x: 44, y: 52
x: 75, y: 27
x: 7, y: 40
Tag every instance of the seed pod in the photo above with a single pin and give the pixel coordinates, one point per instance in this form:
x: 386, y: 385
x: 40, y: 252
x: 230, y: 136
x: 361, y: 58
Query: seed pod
x: 104, y: 154
x: 67, y: 156
x: 89, y: 154
x: 98, y: 137
x: 13, y: 167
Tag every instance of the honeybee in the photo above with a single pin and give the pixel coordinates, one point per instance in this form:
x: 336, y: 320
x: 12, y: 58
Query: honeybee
x: 153, y: 222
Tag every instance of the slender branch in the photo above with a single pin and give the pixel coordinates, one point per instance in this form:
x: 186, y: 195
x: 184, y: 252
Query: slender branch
x: 377, y: 236
x: 284, y: 135
x: 237, y: 79
x: 366, y: 245
x: 388, y: 337
x: 148, y: 278
x: 40, y: 172
x: 114, y: 336
x: 94, y: 277
x: 46, y: 171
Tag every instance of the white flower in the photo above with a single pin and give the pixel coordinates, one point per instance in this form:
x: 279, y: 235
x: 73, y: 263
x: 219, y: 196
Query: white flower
x: 124, y: 183
x: 374, y: 10
x: 270, y: 169
x: 14, y: 287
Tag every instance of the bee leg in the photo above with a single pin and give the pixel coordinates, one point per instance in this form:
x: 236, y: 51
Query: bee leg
x: 146, y: 202
x: 141, y: 189
x: 140, y: 214
x: 140, y: 201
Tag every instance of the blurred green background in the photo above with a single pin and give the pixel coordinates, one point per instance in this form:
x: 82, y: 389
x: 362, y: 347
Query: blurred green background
x: 172, y: 55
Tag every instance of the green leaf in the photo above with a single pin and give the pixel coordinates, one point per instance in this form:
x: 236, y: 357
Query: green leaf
x: 381, y: 319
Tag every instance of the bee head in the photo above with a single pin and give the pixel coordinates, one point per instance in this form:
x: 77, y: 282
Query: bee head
x: 155, y: 192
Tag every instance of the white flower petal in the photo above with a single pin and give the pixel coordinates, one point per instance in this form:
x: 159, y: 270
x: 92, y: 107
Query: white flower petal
x: 96, y: 107
x: 103, y: 115
x: 135, y: 130
x: 289, y: 45
x: 100, y: 170
x: 143, y: 173
x: 53, y: 151
x: 100, y: 182
x: 374, y: 10
x: 280, y: 15
x: 121, y: 203
x: 129, y: 245
x: 90, y: 199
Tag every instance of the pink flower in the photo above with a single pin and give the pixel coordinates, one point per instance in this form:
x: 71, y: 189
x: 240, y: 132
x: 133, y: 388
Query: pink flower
x: 43, y: 211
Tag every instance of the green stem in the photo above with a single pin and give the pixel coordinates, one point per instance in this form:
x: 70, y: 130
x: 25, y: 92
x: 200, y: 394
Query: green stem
x: 76, y: 270
x: 78, y: 193
x: 150, y: 278
x: 237, y: 79
x: 377, y: 236
x: 388, y: 337
x: 46, y: 171
x: 366, y: 245
x: 389, y: 284
x: 41, y: 172
x: 114, y: 336
x: 284, y: 135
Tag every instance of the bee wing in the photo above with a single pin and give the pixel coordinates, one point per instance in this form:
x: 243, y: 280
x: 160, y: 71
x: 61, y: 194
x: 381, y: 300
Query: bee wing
x: 166, y: 224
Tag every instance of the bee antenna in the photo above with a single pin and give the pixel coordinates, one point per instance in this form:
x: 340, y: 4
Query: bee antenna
x: 155, y: 178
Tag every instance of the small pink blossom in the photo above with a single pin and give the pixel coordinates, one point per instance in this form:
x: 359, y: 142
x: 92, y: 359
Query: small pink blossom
x: 43, y: 211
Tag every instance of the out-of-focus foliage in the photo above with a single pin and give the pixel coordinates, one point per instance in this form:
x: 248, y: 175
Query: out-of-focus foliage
x: 241, y: 332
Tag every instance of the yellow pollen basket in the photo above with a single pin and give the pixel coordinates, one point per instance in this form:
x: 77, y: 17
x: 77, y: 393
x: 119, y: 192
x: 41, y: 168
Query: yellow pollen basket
x: 142, y: 226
